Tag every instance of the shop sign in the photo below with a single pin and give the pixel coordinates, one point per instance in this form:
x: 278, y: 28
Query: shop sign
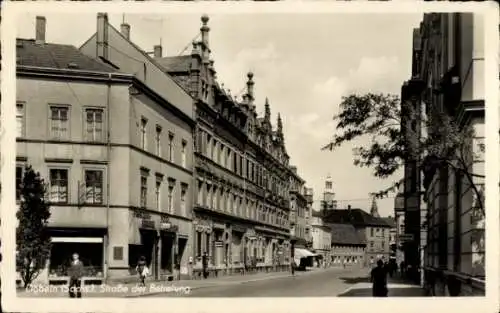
x: 168, y: 227
x: 218, y: 243
x: 149, y: 224
x: 142, y: 215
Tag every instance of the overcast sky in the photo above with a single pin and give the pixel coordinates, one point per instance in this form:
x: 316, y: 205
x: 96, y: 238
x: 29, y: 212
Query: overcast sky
x: 304, y: 64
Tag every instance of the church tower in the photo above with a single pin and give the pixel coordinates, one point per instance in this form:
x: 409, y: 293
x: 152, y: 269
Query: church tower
x: 329, y: 201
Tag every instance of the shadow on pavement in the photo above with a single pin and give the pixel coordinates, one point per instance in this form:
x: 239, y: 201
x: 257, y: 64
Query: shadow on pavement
x: 393, y: 292
x: 355, y: 280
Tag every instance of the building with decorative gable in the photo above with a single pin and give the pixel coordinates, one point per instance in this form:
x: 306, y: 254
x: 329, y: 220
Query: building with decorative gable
x: 243, y: 180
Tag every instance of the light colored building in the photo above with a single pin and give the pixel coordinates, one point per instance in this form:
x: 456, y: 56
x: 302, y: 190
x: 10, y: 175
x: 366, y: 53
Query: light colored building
x: 298, y: 208
x: 449, y: 57
x: 322, y: 238
x: 242, y: 211
x: 115, y: 149
x: 309, y: 193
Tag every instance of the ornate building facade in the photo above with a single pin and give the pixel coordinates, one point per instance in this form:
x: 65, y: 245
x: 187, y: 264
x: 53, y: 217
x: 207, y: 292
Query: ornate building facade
x: 242, y: 175
x: 448, y: 79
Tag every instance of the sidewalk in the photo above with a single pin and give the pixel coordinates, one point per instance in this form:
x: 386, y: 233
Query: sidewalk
x: 131, y: 290
x: 398, y: 287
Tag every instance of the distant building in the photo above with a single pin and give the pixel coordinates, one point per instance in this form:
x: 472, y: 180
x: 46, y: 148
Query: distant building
x: 322, y: 237
x: 309, y: 193
x: 329, y: 202
x: 373, y: 230
x: 393, y: 234
x: 347, y: 246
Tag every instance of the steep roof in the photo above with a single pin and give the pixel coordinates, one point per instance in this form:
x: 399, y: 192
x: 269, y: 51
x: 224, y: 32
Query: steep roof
x: 59, y: 56
x: 389, y: 221
x: 345, y: 234
x: 180, y: 63
x: 355, y: 217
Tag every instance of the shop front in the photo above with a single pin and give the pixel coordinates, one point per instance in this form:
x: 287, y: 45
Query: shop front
x: 89, y: 244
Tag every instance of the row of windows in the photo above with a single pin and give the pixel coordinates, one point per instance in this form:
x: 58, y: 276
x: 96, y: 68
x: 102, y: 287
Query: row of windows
x: 222, y: 199
x: 90, y: 192
x: 158, y: 142
x: 59, y: 123
x: 382, y: 243
x: 242, y: 165
x: 94, y: 130
x: 378, y: 231
x: 158, y: 192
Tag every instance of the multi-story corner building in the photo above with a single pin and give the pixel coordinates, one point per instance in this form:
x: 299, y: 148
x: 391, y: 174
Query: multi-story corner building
x: 115, y: 149
x: 448, y: 69
x: 373, y: 230
x: 242, y: 211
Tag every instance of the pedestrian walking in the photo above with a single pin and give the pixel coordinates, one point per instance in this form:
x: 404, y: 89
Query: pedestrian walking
x: 142, y: 270
x: 204, y: 263
x: 75, y: 273
x: 379, y: 280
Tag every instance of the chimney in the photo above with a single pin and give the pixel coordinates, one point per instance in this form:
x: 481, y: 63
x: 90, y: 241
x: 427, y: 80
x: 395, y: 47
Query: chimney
x: 102, y: 35
x: 125, y: 30
x: 40, y: 30
x: 157, y: 51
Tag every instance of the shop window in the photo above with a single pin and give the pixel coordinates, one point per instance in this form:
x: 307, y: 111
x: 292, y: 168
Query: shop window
x: 58, y: 185
x: 117, y: 253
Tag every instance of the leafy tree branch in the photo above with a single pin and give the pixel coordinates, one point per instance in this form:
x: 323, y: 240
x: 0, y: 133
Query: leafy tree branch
x: 399, y: 133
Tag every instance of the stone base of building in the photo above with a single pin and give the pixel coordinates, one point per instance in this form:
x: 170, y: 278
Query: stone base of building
x: 443, y: 283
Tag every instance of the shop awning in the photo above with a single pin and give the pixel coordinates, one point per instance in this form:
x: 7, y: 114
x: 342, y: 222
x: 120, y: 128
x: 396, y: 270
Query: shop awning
x: 303, y: 253
x: 78, y: 239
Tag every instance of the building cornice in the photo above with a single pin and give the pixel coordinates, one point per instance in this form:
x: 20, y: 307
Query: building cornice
x: 468, y: 110
x: 100, y: 77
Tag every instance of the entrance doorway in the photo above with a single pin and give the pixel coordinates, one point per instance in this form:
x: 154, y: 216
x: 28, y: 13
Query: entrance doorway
x: 167, y: 242
x: 148, y: 249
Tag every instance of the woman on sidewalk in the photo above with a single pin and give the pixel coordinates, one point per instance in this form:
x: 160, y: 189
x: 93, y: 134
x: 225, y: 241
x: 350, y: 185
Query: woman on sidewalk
x: 142, y: 270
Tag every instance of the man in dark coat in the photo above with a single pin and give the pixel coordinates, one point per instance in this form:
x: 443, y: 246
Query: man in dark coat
x: 204, y: 263
x: 75, y: 273
x: 379, y: 280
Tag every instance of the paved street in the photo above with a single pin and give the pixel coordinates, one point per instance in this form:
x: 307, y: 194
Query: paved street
x: 319, y: 283
x: 330, y: 282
